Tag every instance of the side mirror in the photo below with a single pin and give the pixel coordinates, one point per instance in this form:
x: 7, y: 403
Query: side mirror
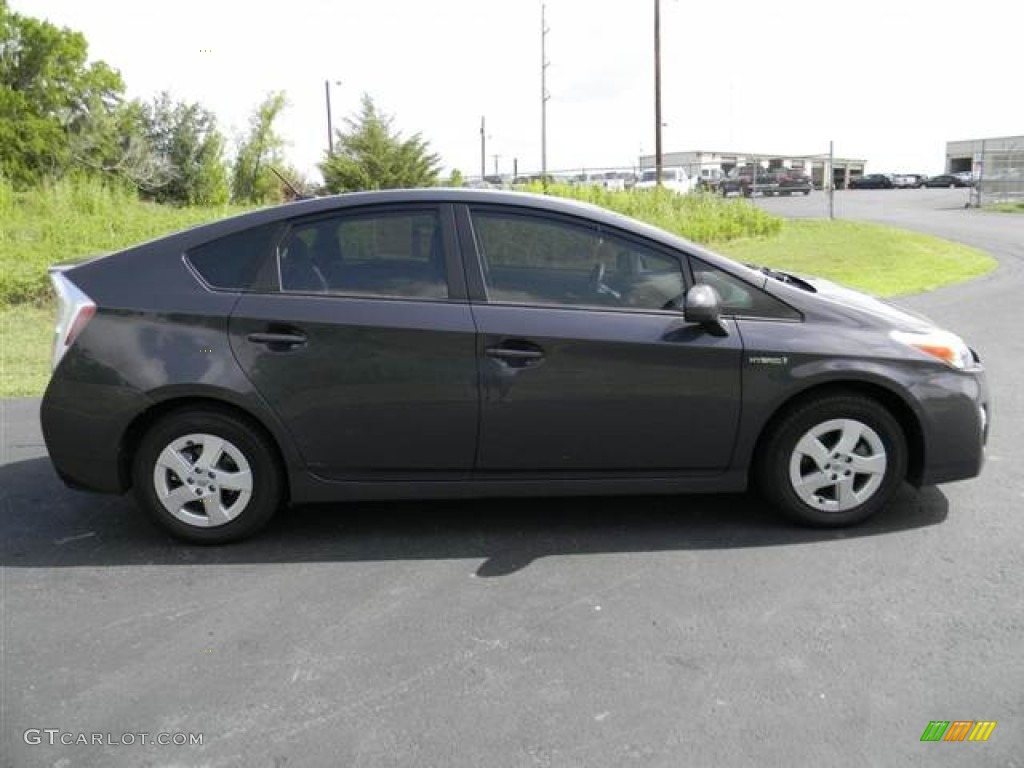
x: 703, y: 306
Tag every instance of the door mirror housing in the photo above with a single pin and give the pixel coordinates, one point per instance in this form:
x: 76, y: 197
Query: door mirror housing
x: 704, y: 306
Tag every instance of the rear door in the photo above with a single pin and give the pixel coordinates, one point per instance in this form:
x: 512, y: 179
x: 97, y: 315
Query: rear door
x: 363, y: 342
x: 585, y: 365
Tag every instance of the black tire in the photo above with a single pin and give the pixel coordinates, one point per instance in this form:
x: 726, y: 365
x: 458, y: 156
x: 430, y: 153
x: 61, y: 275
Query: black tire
x: 267, y: 485
x: 807, y: 192
x: 774, y: 453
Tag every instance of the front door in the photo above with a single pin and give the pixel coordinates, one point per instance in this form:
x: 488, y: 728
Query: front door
x: 586, y: 365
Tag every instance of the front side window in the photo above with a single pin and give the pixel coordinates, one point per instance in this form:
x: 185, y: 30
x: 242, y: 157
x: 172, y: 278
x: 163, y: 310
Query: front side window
x: 392, y: 255
x: 739, y: 298
x: 547, y: 261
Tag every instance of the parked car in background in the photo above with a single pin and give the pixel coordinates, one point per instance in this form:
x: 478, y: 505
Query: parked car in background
x: 438, y: 343
x: 673, y: 179
x: 947, y: 180
x: 871, y: 181
x: 785, y: 181
x: 710, y: 179
x: 908, y: 180
x: 744, y: 180
x: 967, y: 177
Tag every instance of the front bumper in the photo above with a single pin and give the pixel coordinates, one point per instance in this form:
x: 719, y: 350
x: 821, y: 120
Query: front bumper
x: 957, y: 421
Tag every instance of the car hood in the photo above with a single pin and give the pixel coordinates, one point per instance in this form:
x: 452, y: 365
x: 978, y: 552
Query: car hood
x: 866, y: 304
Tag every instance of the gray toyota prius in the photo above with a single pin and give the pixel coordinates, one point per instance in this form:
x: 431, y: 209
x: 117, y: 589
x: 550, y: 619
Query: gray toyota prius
x: 469, y: 343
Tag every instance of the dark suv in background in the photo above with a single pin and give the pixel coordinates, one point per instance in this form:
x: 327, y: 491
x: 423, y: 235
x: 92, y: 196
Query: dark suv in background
x: 871, y: 181
x: 785, y: 181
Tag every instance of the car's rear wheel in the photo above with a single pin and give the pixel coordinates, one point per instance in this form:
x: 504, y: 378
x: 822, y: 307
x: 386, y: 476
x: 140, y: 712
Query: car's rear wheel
x: 207, y: 476
x: 833, y: 461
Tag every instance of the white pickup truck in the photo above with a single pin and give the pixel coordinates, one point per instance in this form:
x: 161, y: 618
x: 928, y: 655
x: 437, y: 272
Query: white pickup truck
x: 674, y: 179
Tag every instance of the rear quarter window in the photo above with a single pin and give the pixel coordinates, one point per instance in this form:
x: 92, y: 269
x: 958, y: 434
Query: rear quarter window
x: 231, y: 262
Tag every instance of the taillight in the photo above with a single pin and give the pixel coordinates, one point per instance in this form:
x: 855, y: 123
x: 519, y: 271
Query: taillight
x: 74, y: 311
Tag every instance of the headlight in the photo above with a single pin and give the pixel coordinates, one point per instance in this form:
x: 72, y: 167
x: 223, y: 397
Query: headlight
x: 943, y: 345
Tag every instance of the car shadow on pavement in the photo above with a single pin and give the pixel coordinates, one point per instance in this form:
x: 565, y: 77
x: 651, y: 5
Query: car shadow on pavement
x: 46, y: 525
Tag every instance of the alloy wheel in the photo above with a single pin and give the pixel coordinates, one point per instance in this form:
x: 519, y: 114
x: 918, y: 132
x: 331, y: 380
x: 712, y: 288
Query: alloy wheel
x: 203, y: 480
x: 838, y: 465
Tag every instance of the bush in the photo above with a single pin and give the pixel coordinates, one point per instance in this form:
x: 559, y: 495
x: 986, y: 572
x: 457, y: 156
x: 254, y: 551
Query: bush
x: 703, y: 218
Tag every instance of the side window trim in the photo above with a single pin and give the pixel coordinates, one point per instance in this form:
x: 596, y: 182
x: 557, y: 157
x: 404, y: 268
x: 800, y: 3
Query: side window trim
x: 474, y: 262
x: 445, y: 216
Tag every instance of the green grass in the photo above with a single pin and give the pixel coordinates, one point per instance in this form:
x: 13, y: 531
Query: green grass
x: 881, y: 260
x: 1015, y: 207
x: 701, y: 218
x: 73, y: 220
x: 26, y: 342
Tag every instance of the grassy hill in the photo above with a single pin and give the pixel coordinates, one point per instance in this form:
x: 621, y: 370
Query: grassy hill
x: 71, y: 221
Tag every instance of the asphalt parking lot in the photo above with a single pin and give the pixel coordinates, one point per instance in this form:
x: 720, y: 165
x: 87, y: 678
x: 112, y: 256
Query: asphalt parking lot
x: 593, y: 632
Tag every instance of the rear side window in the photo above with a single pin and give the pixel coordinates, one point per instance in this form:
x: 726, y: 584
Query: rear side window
x: 383, y: 254
x: 231, y: 262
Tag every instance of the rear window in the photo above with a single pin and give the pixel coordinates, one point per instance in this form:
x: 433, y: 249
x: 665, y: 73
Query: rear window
x: 231, y: 262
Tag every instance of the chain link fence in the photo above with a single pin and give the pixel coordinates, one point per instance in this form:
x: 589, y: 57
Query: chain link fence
x: 999, y: 171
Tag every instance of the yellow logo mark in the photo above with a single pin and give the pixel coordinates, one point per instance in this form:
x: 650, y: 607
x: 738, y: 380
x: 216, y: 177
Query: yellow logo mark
x: 982, y: 730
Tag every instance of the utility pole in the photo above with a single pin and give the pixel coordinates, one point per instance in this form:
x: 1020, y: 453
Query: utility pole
x: 483, y: 148
x: 831, y: 182
x: 330, y: 125
x: 657, y: 90
x: 544, y: 95
x: 496, y: 158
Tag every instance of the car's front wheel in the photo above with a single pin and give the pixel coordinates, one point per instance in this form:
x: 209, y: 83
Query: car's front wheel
x: 207, y: 476
x: 833, y: 461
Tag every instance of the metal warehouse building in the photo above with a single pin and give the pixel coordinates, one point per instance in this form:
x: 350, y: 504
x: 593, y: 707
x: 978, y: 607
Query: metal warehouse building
x: 705, y: 163
x: 997, y: 165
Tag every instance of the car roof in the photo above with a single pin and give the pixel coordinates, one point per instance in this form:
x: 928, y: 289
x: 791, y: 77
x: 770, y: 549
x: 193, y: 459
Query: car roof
x: 431, y: 195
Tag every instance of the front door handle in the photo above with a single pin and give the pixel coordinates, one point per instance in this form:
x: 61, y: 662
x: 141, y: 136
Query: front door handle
x: 277, y: 339
x: 516, y: 354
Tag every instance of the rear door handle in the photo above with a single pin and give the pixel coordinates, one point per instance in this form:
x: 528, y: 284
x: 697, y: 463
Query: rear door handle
x: 277, y: 339
x: 515, y: 354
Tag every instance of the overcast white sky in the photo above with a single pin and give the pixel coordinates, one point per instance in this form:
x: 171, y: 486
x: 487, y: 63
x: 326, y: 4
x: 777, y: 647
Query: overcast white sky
x: 889, y: 80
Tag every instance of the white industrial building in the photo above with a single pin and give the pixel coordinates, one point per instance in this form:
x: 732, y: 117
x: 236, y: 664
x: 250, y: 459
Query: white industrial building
x: 706, y: 163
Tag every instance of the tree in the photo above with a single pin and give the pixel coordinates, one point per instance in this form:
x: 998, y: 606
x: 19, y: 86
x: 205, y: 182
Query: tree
x: 48, y: 93
x: 186, y: 138
x: 252, y: 180
x: 372, y: 155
